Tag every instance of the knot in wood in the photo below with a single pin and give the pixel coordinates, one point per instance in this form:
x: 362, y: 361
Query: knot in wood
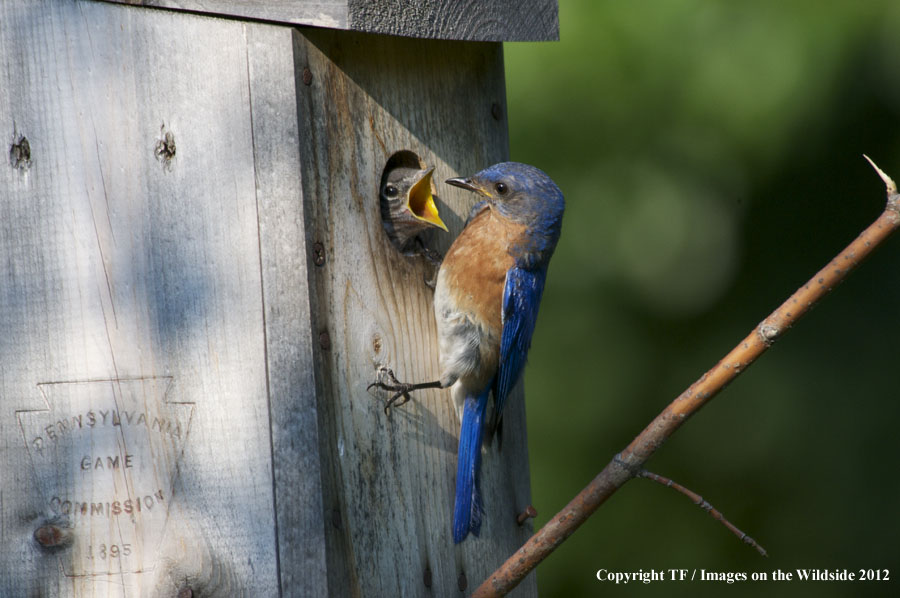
x: 20, y: 153
x: 52, y: 536
x: 165, y: 147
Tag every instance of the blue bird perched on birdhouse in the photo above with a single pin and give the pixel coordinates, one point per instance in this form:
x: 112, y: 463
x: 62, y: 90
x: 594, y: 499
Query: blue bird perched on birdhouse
x: 486, y: 301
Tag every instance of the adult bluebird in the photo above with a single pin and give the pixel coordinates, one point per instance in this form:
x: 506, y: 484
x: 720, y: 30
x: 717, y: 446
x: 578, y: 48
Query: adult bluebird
x: 486, y: 301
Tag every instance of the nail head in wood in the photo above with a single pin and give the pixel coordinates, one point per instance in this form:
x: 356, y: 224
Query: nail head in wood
x: 529, y: 513
x: 319, y: 254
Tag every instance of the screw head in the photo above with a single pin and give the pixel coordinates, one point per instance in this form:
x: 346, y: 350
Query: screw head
x: 319, y: 254
x: 307, y: 76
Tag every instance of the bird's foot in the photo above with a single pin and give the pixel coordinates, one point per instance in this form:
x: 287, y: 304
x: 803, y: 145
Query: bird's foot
x: 401, y: 390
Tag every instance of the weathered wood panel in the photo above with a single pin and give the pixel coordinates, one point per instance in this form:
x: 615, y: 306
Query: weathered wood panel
x: 471, y: 20
x: 157, y: 328
x: 289, y: 335
x: 389, y: 485
x: 137, y: 354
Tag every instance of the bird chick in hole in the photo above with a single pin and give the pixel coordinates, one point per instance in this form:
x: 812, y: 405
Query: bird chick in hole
x: 408, y: 209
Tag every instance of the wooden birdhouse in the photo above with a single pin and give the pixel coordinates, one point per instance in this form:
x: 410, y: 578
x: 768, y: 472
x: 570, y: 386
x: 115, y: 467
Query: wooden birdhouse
x: 196, y: 290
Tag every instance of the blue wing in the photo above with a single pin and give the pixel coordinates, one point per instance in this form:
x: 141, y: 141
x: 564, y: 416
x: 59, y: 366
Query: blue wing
x: 521, y: 298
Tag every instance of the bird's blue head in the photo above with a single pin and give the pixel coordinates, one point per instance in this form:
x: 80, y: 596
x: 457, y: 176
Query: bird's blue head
x: 523, y: 194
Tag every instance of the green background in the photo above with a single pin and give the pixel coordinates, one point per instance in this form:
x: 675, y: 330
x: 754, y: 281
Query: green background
x: 711, y: 157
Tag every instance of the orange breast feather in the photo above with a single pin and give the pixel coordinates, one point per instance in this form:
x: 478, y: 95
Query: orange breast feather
x: 476, y: 266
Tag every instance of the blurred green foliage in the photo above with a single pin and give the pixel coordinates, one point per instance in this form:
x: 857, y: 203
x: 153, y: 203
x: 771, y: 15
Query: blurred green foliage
x: 710, y: 153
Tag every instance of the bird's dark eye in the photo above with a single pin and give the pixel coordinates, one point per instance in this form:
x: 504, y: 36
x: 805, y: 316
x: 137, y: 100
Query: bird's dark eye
x: 390, y: 191
x: 501, y: 188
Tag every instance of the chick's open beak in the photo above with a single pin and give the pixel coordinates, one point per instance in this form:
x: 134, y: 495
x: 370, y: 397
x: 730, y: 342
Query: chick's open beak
x: 421, y: 201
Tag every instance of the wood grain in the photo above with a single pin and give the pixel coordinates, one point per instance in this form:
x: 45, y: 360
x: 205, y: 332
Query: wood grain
x: 469, y: 20
x: 289, y: 335
x: 132, y: 289
x: 389, y: 479
x: 195, y: 291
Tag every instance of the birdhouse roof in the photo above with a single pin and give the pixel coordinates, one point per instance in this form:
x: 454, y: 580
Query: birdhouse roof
x: 469, y: 20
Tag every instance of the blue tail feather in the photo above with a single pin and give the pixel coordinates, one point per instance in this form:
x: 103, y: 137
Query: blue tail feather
x: 468, y: 508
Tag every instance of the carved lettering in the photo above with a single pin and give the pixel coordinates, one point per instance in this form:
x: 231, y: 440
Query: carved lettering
x: 108, y: 509
x: 90, y: 419
x: 114, y: 446
x: 112, y: 462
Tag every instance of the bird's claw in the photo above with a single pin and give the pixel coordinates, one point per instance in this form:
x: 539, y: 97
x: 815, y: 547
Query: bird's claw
x: 401, y: 389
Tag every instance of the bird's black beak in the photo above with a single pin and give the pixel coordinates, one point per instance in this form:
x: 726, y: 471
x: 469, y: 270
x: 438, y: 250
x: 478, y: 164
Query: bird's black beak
x: 464, y: 183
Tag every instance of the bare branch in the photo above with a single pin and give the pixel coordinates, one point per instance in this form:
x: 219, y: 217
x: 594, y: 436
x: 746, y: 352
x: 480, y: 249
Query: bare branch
x: 703, y: 504
x: 888, y: 181
x: 630, y: 461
